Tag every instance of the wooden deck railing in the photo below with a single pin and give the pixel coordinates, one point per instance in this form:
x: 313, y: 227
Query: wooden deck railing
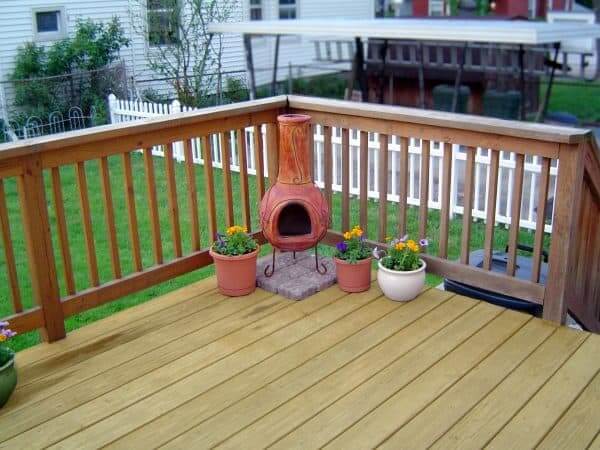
x: 35, y: 168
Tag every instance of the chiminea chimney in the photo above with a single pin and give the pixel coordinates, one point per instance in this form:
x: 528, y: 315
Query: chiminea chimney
x: 294, y: 215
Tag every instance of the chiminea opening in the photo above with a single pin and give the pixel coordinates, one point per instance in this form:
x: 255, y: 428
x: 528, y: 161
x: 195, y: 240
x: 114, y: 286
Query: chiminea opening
x: 294, y: 220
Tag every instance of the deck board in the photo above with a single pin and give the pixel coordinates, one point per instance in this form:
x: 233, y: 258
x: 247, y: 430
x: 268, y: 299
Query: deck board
x: 193, y: 369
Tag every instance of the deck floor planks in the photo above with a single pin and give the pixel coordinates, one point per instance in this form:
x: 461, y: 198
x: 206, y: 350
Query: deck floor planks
x: 481, y: 423
x: 214, y: 430
x: 580, y: 424
x: 104, y: 380
x: 278, y: 367
x: 173, y: 384
x: 281, y: 372
x: 542, y: 412
x: 285, y: 418
x: 342, y: 414
x: 410, y: 399
x: 448, y: 408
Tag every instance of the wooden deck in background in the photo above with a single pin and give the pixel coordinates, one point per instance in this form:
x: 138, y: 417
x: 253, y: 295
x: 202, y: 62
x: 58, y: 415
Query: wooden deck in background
x: 193, y: 369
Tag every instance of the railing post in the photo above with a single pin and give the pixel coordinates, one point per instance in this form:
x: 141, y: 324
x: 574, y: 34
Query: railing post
x: 272, y: 152
x: 39, y: 248
x: 563, y: 249
x: 112, y: 104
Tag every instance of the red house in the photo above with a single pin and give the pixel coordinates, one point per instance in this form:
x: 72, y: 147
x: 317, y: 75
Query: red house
x: 505, y: 8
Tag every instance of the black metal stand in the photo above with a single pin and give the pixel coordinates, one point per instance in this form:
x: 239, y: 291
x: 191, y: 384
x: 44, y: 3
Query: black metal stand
x: 319, y: 266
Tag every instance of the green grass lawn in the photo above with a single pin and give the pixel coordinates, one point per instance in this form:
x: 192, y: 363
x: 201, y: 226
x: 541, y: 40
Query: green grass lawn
x: 77, y: 242
x: 582, y: 100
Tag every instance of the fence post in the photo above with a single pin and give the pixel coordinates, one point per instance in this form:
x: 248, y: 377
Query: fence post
x: 562, y: 266
x: 38, y: 239
x: 174, y: 108
x: 112, y: 105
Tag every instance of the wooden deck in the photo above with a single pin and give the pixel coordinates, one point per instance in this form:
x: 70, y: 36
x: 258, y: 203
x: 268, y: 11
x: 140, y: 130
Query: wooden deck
x: 193, y: 370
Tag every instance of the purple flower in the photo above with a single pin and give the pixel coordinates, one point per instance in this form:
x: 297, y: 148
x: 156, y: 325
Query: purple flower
x: 8, y: 333
x: 3, y: 324
x: 404, y: 238
x: 423, y: 242
x: 342, y: 247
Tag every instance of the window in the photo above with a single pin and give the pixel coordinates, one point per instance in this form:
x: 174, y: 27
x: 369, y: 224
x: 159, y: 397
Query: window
x: 163, y: 22
x: 287, y: 9
x: 256, y: 10
x: 48, y: 24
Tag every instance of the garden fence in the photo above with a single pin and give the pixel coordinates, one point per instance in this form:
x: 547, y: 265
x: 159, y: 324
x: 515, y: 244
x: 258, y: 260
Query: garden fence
x: 126, y: 110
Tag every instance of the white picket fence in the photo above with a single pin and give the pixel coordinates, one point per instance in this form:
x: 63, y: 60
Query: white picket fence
x: 125, y: 110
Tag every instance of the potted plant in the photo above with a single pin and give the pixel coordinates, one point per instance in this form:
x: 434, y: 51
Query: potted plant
x: 353, y: 262
x: 8, y: 372
x: 234, y: 254
x: 401, y: 274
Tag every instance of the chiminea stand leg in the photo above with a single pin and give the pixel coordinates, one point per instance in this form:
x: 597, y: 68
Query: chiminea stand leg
x: 270, y: 269
x: 294, y: 254
x: 321, y: 268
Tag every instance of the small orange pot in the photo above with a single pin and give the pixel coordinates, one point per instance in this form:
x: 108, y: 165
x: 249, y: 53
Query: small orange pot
x: 236, y: 275
x: 353, y: 277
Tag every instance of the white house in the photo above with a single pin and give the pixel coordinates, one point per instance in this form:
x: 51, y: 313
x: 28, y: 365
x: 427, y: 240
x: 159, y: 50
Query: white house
x: 46, y: 21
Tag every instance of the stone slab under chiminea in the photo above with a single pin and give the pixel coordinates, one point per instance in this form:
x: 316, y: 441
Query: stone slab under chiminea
x: 294, y: 214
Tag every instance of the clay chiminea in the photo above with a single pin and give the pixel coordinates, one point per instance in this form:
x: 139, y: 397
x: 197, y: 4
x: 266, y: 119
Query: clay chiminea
x: 294, y: 215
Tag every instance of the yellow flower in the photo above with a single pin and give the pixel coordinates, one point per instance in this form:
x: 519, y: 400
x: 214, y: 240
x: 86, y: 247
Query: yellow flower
x: 400, y: 246
x: 236, y: 229
x: 413, y: 247
x: 347, y: 235
x: 2, y: 338
x: 410, y: 242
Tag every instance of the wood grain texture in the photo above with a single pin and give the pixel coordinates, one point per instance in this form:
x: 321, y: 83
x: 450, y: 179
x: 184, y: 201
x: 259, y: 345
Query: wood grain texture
x: 383, y: 186
x: 172, y: 200
x: 86, y: 220
x: 345, y: 179
x: 364, y: 181
x: 272, y: 151
x: 328, y: 165
x: 259, y: 161
x: 515, y: 214
x: 538, y: 246
x: 424, y: 188
x: 192, y: 192
x: 490, y: 221
x: 224, y: 140
x: 403, y: 187
x: 446, y: 188
x: 109, y: 218
x: 9, y: 253
x: 153, y: 206
x: 468, y: 205
x: 134, y: 237
x: 244, y: 192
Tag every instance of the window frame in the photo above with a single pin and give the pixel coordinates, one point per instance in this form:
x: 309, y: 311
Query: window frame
x: 42, y: 36
x: 255, y: 7
x: 177, y: 7
x: 287, y: 7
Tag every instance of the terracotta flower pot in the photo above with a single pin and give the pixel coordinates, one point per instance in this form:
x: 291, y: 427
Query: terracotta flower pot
x: 401, y: 286
x: 8, y: 381
x: 353, y: 277
x: 236, y: 275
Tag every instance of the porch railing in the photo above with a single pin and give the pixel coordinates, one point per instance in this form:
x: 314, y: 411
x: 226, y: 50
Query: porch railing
x: 183, y: 214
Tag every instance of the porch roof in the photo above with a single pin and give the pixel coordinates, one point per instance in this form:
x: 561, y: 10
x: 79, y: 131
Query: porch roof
x: 492, y: 31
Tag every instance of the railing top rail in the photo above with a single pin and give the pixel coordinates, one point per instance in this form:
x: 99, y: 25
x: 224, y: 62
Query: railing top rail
x: 112, y: 131
x: 485, y: 125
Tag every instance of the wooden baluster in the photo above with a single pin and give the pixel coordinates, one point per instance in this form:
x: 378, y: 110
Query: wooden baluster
x: 259, y: 161
x: 345, y: 179
x: 272, y: 151
x: 563, y: 251
x: 490, y: 220
x: 328, y: 163
x: 468, y: 205
x: 172, y: 199
x: 311, y: 149
x: 9, y: 254
x: 446, y: 183
x: 364, y: 181
x: 424, y: 188
x: 403, y: 187
x: 86, y: 219
x: 244, y: 193
x: 153, y: 206
x: 515, y: 215
x: 38, y: 239
x: 540, y: 220
x: 131, y: 212
x: 209, y: 187
x: 63, y: 236
x: 226, y: 164
x: 190, y: 174
x: 109, y: 217
x: 383, y: 185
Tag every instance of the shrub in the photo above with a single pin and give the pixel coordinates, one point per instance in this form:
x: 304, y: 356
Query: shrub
x: 6, y: 353
x: 403, y: 254
x: 236, y: 241
x: 353, y: 248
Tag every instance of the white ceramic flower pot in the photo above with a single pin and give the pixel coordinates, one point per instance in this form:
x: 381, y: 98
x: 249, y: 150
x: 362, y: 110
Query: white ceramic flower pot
x: 401, y: 286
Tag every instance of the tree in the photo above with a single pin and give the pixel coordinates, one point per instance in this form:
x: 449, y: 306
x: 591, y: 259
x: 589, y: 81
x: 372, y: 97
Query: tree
x: 180, y: 48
